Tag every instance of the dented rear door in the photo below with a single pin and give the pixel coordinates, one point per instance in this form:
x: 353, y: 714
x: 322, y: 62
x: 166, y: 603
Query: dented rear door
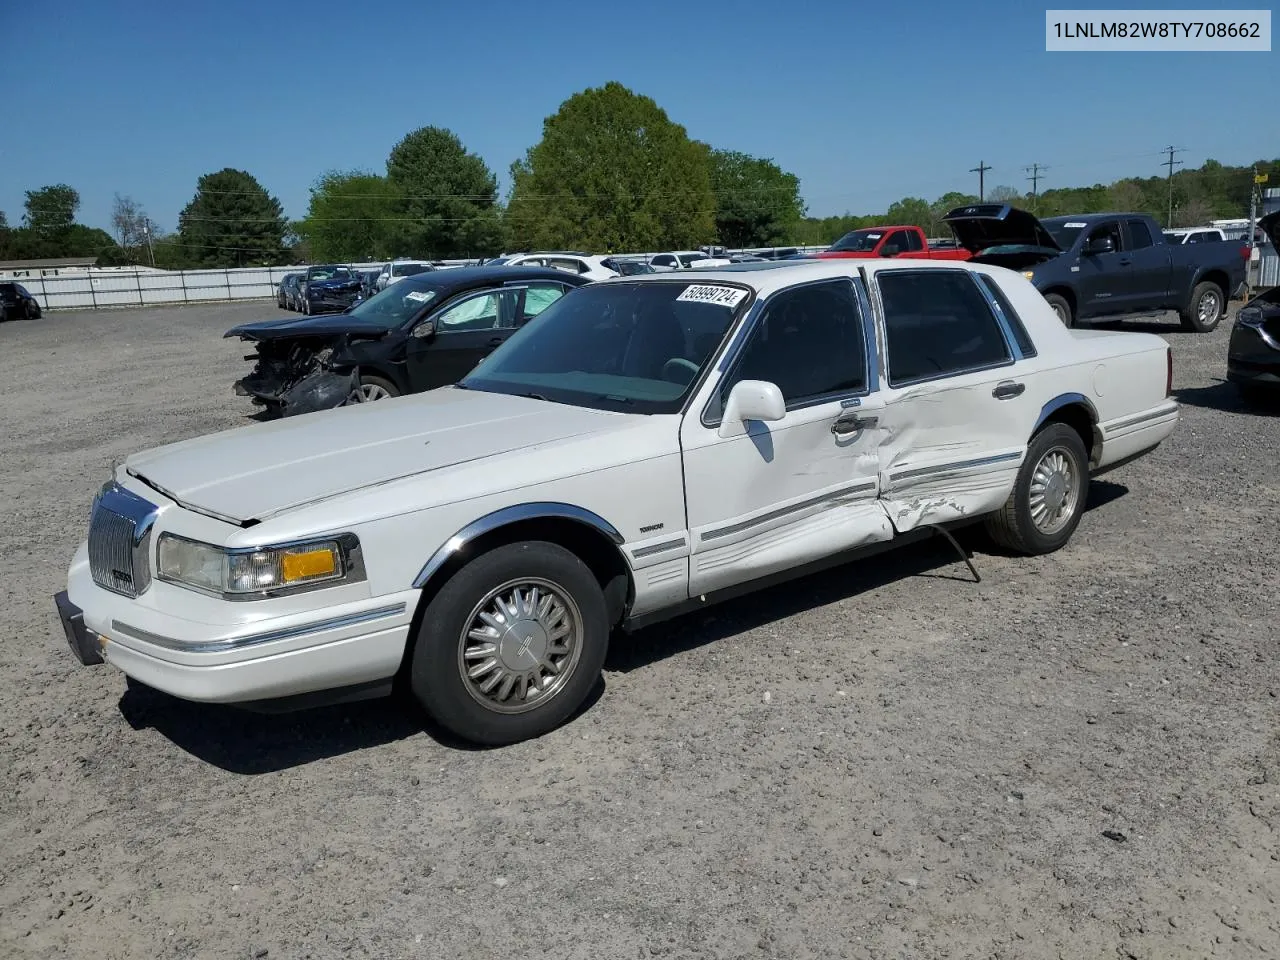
x: 957, y: 408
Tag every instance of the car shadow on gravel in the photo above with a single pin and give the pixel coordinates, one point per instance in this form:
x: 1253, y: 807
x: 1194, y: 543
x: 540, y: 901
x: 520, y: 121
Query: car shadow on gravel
x: 1224, y: 395
x: 242, y: 742
x: 934, y: 558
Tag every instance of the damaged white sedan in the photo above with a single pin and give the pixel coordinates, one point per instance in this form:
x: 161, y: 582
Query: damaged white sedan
x: 646, y: 445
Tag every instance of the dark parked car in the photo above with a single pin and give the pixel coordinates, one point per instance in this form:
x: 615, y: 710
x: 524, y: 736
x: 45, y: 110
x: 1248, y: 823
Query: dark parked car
x: 422, y: 332
x: 627, y: 268
x: 368, y: 282
x: 287, y: 292
x: 329, y: 289
x: 16, y: 303
x: 1104, y: 266
x: 1253, y: 354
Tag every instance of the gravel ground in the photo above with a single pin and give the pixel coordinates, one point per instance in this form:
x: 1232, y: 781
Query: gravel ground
x: 1077, y: 757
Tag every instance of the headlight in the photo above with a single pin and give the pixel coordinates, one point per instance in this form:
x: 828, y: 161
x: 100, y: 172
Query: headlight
x: 259, y: 572
x: 1249, y: 317
x: 1029, y: 274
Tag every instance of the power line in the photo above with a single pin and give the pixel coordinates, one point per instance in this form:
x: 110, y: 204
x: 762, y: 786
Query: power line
x: 980, y: 170
x: 1171, y: 163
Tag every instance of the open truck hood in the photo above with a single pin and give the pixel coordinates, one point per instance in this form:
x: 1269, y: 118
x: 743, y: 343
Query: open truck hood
x: 254, y: 472
x: 980, y: 226
x: 289, y: 328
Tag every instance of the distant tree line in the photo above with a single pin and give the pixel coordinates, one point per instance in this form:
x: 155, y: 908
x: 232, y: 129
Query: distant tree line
x: 611, y: 173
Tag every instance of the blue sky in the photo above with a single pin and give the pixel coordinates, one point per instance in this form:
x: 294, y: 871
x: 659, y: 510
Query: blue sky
x: 865, y: 102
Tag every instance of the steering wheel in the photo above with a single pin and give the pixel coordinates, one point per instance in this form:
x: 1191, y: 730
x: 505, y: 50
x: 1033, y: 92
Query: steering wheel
x: 672, y: 368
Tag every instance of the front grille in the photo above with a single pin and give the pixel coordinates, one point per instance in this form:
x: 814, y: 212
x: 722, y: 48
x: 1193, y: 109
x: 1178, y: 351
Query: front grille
x: 119, y: 542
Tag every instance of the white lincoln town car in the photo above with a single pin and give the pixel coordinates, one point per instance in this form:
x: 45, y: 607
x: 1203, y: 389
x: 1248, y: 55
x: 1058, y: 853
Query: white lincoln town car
x: 645, y: 446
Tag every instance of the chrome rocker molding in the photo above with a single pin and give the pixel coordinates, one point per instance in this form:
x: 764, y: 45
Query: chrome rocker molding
x: 507, y: 516
x: 864, y: 486
x: 1165, y: 411
x: 255, y: 639
x: 941, y: 469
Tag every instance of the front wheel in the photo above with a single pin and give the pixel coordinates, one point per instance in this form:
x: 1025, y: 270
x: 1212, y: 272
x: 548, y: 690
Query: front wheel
x: 512, y: 644
x: 1048, y: 497
x: 373, y: 388
x: 1204, y: 309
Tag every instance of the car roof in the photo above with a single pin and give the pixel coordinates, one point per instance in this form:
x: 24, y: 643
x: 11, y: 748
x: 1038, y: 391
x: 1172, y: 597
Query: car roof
x: 460, y: 278
x: 773, y: 275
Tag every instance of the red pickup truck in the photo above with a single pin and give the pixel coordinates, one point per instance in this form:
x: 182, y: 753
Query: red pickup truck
x: 906, y: 242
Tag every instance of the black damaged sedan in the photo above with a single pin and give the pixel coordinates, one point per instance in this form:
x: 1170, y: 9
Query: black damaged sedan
x: 421, y: 332
x: 1253, y: 354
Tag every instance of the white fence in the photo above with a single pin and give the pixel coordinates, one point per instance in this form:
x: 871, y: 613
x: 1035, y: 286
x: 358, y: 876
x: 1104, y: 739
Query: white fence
x: 128, y: 288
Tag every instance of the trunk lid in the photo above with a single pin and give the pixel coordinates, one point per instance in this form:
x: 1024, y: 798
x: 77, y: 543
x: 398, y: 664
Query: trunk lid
x: 980, y: 226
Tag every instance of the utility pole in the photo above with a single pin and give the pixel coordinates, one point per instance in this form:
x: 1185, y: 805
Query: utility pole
x: 146, y: 230
x: 1170, y: 163
x: 1035, y: 178
x: 980, y: 169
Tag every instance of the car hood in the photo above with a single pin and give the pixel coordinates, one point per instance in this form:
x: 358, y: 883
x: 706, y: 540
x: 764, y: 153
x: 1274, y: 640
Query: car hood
x: 254, y: 472
x: 979, y: 226
x: 325, y: 325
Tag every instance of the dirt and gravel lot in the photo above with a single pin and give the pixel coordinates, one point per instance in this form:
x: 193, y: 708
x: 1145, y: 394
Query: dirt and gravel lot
x: 1078, y: 757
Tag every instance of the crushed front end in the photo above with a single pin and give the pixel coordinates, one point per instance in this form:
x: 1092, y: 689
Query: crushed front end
x: 291, y: 377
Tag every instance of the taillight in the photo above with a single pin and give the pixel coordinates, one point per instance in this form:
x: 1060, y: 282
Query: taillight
x: 1168, y: 383
x: 1244, y: 252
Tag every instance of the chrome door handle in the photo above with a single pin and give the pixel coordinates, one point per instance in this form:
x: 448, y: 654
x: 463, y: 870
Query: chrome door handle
x: 852, y: 423
x: 1008, y: 389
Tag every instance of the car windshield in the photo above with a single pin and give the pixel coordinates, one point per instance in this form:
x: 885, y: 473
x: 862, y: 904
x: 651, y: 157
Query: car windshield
x: 858, y: 241
x: 1064, y: 233
x: 499, y: 261
x: 1173, y: 238
x: 408, y: 269
x: 396, y: 305
x: 630, y: 268
x: 629, y: 347
x: 329, y: 273
x: 688, y: 258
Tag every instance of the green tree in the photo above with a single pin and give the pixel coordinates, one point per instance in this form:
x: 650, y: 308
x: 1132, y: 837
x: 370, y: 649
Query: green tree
x: 448, y: 197
x: 353, y: 216
x: 612, y: 172
x: 758, y: 204
x: 51, y: 211
x: 910, y: 211
x: 231, y: 222
x: 6, y: 235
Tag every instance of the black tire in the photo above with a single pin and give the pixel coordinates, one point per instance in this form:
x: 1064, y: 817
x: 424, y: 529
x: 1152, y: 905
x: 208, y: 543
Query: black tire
x: 34, y: 312
x: 436, y: 672
x: 1256, y: 396
x: 1205, y: 309
x: 1013, y: 526
x: 1062, y: 308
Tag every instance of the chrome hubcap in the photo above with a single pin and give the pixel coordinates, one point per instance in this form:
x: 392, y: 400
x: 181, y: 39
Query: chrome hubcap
x: 1055, y: 491
x: 1208, y: 307
x: 520, y: 645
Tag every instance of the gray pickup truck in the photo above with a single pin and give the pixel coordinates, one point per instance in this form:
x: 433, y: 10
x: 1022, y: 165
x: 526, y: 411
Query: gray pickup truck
x: 1104, y: 266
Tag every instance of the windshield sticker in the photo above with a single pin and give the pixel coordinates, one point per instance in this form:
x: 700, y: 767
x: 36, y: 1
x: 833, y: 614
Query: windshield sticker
x: 708, y: 293
x: 1075, y: 224
x: 422, y: 296
x: 874, y: 236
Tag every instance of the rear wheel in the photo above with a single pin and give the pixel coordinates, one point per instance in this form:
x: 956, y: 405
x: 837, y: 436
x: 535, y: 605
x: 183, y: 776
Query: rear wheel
x: 1061, y: 308
x: 512, y: 644
x: 1204, y: 309
x: 1048, y: 497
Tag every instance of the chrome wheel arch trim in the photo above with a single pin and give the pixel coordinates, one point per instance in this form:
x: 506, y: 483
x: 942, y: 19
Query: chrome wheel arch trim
x: 507, y: 516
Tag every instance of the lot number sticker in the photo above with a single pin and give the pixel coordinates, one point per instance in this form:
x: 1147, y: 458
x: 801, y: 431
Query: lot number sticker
x: 708, y: 293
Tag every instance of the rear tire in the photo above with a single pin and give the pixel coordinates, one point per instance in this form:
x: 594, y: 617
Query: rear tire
x: 527, y: 619
x: 1049, y: 496
x: 1061, y: 308
x: 1205, y: 308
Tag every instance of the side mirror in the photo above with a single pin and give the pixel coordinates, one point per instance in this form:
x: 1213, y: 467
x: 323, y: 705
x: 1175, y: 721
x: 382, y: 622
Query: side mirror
x: 1100, y: 245
x: 751, y: 400
x: 425, y: 330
